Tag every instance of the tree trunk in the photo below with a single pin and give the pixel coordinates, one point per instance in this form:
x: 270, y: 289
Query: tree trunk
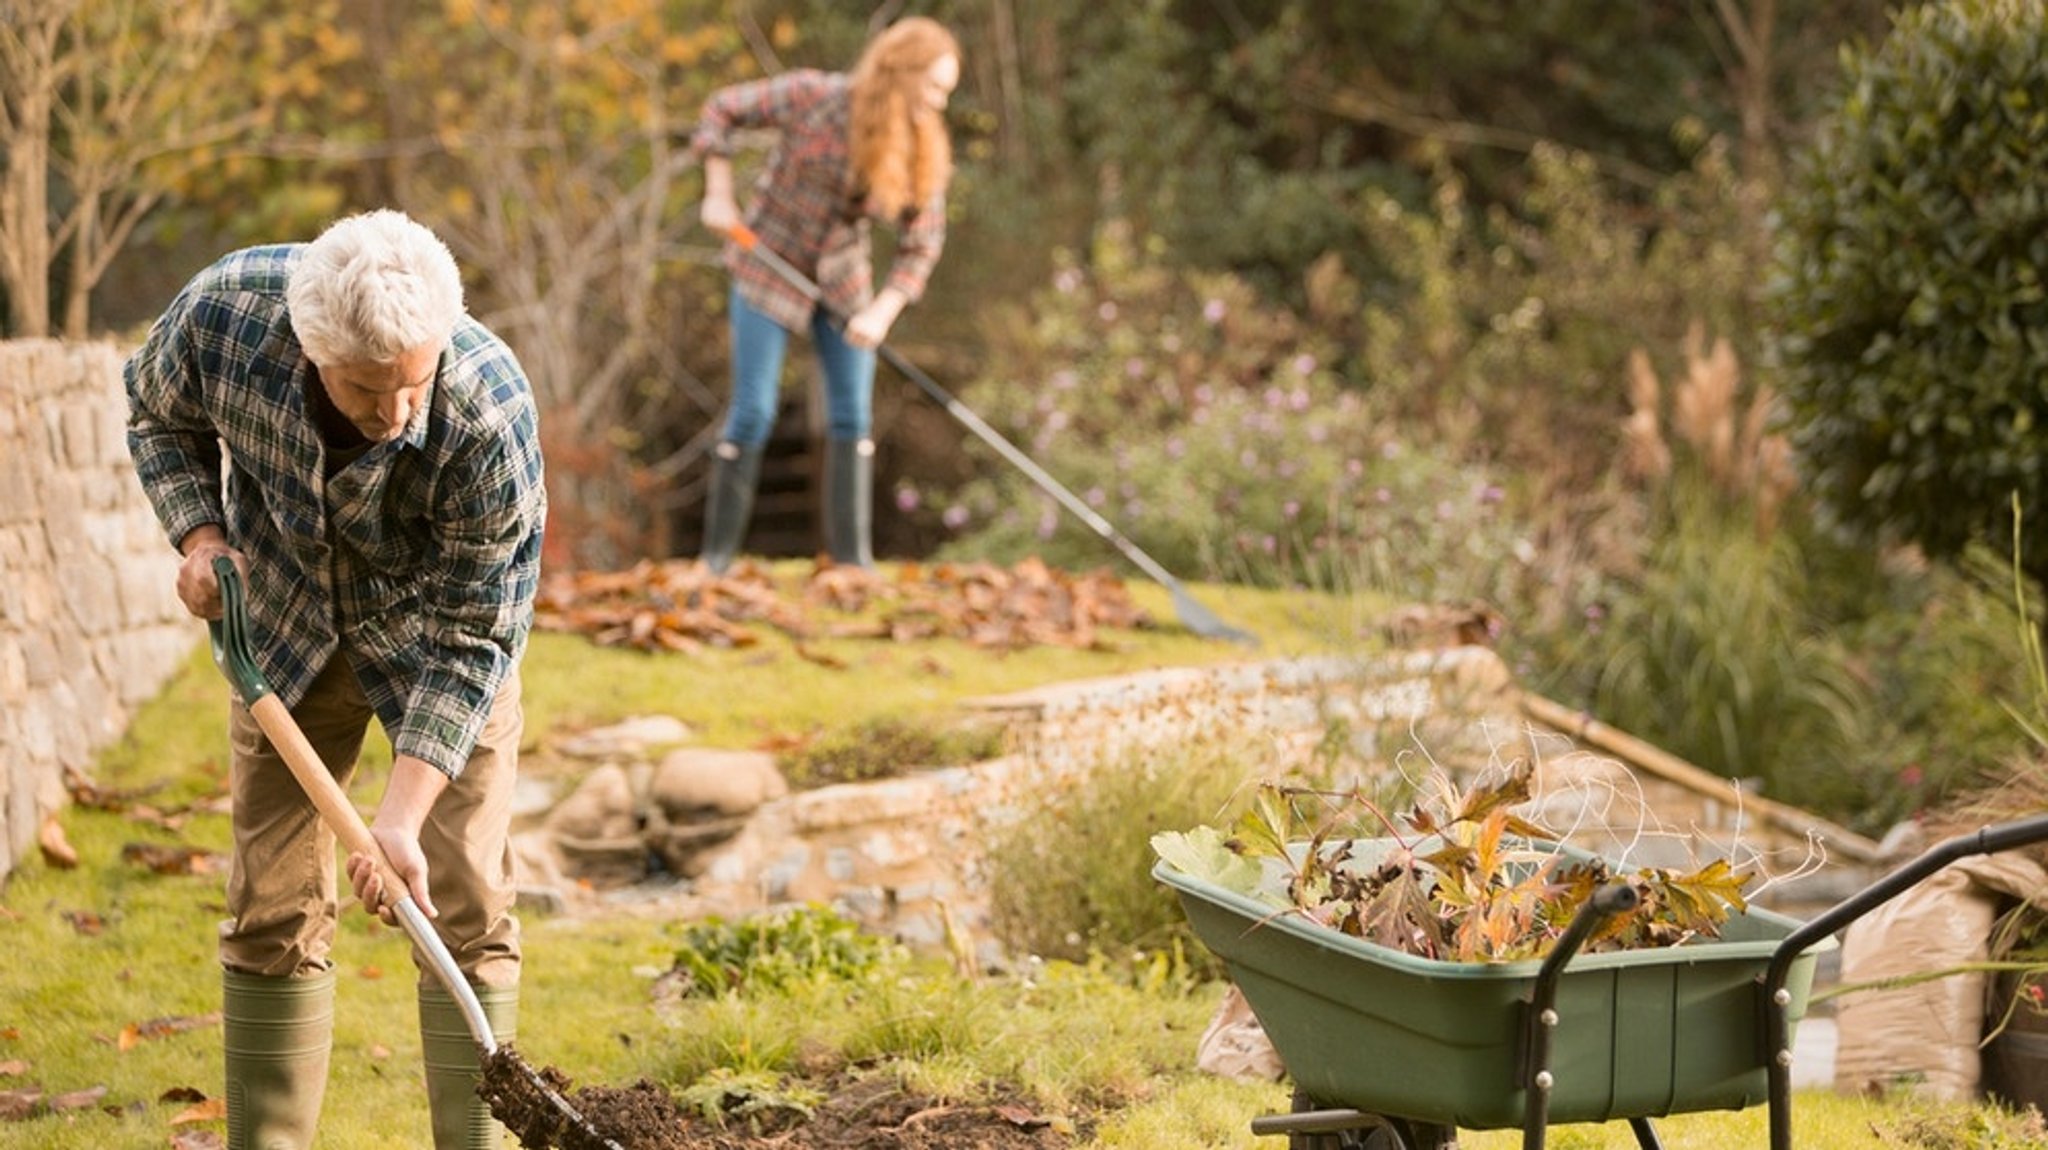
x: 25, y: 191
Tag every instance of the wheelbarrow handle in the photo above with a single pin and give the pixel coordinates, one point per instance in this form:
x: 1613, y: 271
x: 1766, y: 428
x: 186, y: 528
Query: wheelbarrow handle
x: 236, y: 659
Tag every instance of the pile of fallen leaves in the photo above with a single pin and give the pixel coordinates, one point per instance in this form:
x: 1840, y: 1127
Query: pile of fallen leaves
x: 680, y: 605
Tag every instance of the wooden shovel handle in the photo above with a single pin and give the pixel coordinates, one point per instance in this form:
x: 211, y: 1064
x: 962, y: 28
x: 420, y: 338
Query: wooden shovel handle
x: 340, y: 815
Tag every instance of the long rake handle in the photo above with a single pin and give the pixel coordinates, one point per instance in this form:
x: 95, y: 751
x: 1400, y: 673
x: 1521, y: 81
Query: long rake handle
x: 749, y: 240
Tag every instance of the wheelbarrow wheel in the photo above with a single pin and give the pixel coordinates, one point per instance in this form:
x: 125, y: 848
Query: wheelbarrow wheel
x: 1373, y: 1132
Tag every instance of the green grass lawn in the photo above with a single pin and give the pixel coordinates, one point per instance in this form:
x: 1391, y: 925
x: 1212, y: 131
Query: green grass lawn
x: 109, y: 977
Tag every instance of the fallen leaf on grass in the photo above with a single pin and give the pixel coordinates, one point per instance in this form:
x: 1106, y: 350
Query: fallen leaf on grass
x: 182, y: 1094
x: 164, y: 859
x: 379, y: 1051
x: 77, y: 1099
x: 13, y: 1068
x: 17, y: 1105
x: 211, y: 1110
x: 85, y: 922
x: 136, y: 1032
x: 197, y: 1140
x: 56, y: 851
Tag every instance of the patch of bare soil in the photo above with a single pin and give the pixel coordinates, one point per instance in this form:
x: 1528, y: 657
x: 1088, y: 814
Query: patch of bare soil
x: 859, y: 1114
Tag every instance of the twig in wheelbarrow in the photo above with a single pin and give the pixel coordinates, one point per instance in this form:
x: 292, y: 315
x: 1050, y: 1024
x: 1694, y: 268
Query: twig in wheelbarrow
x: 642, y: 1116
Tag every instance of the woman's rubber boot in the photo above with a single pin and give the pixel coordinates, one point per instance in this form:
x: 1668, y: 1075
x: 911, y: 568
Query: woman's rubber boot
x: 849, y: 501
x: 276, y: 1034
x: 462, y: 1120
x: 735, y: 468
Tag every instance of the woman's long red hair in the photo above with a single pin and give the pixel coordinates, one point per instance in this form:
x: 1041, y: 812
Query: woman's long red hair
x: 902, y: 157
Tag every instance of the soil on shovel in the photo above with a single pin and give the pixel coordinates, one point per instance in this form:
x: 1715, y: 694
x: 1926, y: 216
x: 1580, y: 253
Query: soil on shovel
x: 641, y: 1117
x: 860, y: 1114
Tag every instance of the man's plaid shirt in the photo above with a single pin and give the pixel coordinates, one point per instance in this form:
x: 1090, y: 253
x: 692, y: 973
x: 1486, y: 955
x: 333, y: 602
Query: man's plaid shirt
x: 419, y: 560
x: 804, y: 206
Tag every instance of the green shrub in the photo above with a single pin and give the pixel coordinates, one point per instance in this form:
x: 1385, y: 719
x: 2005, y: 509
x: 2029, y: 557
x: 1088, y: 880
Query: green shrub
x: 1913, y: 320
x: 1715, y: 658
x: 776, y: 950
x: 1210, y: 428
x: 1508, y: 330
x: 1069, y: 871
x: 884, y: 747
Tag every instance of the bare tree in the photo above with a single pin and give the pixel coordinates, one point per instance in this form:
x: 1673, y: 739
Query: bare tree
x: 108, y: 104
x: 32, y: 69
x: 571, y: 175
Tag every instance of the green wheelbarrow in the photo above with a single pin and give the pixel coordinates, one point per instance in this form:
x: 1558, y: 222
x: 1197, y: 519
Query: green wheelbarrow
x: 1391, y: 1051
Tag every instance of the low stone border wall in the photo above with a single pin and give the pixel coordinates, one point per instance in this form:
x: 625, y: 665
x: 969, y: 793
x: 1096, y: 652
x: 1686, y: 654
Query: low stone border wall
x: 904, y: 855
x: 90, y: 624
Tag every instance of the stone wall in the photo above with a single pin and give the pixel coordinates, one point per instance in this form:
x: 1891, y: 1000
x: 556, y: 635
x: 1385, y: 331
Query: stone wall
x: 903, y: 856
x: 90, y: 624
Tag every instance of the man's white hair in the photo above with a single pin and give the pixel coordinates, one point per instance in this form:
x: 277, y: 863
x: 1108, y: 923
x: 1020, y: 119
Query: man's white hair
x: 373, y: 287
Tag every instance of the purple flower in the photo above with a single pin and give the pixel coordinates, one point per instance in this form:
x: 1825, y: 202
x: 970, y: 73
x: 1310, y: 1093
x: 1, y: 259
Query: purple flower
x: 1063, y: 380
x: 1354, y: 468
x: 1134, y: 367
x: 1204, y: 394
x: 1304, y: 363
x: 907, y: 498
x: 1095, y: 496
x: 1274, y: 397
x: 1491, y: 494
x: 1107, y: 312
x: 1383, y: 496
x: 1212, y: 311
x: 1048, y: 522
x: 955, y: 517
x: 1068, y: 281
x: 1291, y: 508
x: 1248, y: 459
x: 1298, y: 399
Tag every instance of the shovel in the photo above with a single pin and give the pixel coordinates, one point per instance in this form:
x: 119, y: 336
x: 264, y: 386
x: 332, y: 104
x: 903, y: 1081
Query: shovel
x: 1193, y: 615
x: 232, y: 654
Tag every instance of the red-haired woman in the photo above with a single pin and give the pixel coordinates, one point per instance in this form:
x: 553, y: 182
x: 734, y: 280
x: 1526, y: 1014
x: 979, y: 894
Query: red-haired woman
x: 869, y: 145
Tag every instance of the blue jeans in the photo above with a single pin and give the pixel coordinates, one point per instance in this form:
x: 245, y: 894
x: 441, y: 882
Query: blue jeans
x: 758, y: 347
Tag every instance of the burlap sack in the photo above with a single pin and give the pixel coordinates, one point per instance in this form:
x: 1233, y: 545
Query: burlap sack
x: 1924, y: 1038
x: 1236, y: 1046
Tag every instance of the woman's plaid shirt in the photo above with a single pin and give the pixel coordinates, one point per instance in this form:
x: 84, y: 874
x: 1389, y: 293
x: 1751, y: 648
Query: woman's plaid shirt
x: 419, y: 560
x: 804, y: 207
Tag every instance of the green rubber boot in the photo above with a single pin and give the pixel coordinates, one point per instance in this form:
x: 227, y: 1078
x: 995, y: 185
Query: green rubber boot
x: 462, y: 1120
x: 729, y: 502
x: 849, y: 501
x: 276, y: 1034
